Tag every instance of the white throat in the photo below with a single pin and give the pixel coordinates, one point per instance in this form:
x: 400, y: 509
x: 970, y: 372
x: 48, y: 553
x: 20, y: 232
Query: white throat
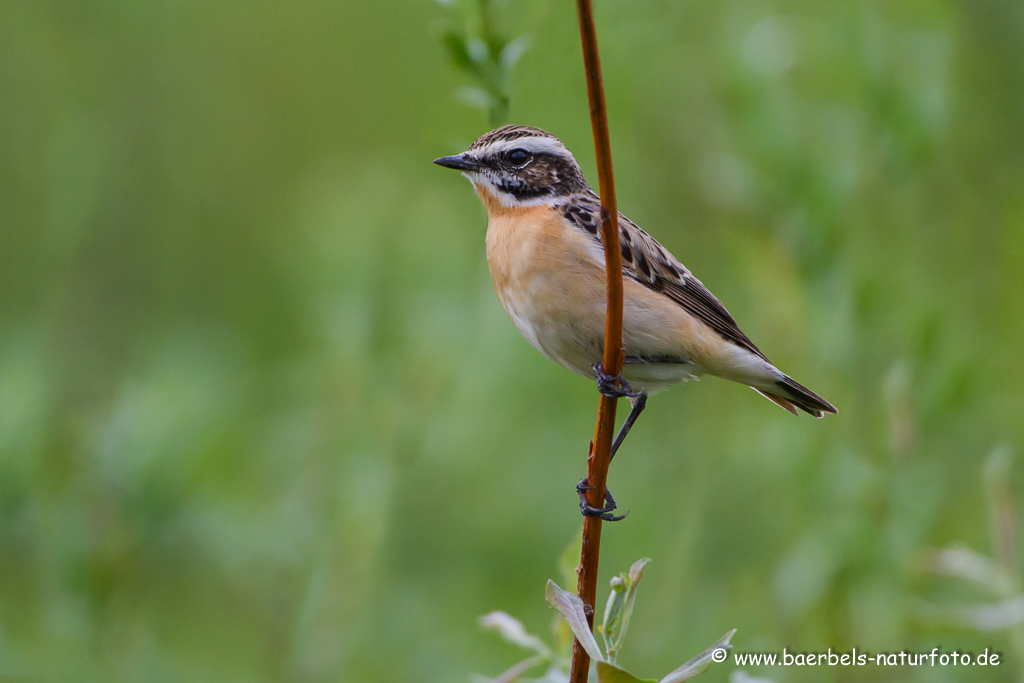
x: 486, y: 181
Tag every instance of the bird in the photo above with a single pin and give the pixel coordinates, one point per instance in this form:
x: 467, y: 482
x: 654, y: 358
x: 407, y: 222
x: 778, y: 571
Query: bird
x: 547, y: 263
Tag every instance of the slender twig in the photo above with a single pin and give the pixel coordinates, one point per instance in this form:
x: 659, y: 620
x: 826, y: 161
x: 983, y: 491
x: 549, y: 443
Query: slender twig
x: 600, y: 447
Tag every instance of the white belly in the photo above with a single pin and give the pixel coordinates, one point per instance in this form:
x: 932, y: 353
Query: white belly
x: 577, y: 342
x: 564, y: 338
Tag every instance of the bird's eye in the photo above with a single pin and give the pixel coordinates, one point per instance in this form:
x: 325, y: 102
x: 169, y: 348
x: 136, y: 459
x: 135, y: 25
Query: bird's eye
x: 518, y: 157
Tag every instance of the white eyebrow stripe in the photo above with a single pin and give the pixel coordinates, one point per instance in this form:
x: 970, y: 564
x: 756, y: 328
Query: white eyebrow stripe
x: 530, y: 144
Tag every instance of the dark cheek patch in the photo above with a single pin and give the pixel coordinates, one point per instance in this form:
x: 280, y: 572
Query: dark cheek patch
x: 545, y: 175
x: 540, y: 172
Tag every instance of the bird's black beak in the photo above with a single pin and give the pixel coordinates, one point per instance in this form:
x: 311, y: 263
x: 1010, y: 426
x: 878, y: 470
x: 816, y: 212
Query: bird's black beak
x: 460, y: 162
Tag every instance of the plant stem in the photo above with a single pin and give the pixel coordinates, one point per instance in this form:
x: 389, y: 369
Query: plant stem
x: 600, y: 448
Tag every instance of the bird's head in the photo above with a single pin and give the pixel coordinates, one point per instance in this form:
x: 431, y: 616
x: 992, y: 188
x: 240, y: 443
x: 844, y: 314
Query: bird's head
x: 518, y: 166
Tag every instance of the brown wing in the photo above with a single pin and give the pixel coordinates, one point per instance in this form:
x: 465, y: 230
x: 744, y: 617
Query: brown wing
x: 650, y: 264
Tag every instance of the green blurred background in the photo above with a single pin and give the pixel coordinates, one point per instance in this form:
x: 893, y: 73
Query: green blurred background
x: 262, y: 417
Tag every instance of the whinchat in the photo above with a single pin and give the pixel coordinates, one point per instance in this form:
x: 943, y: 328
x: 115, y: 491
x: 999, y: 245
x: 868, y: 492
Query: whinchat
x: 547, y: 262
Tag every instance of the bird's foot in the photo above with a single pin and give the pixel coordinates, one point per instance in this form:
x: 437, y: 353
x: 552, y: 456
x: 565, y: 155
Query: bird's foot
x: 606, y: 384
x: 588, y: 510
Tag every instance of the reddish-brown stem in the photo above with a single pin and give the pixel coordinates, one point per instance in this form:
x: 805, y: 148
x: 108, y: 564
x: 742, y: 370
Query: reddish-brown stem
x: 600, y: 448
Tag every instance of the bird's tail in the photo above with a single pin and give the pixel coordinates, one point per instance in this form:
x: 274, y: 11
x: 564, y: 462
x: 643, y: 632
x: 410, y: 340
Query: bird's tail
x: 791, y: 395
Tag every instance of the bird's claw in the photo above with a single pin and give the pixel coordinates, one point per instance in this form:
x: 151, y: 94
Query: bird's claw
x: 588, y: 510
x: 606, y: 384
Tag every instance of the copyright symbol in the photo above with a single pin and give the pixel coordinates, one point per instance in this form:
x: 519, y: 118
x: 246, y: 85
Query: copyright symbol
x: 719, y: 654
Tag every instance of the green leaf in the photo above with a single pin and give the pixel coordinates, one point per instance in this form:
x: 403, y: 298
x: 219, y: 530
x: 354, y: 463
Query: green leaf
x: 609, y: 673
x: 636, y: 572
x: 612, y: 612
x: 512, y: 630
x: 511, y: 53
x: 477, y: 50
x: 1002, y: 615
x: 476, y: 97
x: 563, y: 639
x: 964, y: 563
x: 457, y: 50
x: 701, y: 663
x: 570, y: 607
x: 619, y: 609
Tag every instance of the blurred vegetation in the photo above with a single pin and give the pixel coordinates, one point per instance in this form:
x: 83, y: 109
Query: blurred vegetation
x: 263, y: 419
x: 478, y: 49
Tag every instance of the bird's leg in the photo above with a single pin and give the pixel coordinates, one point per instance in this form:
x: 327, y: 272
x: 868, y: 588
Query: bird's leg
x: 639, y: 402
x: 606, y: 384
x: 588, y: 510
